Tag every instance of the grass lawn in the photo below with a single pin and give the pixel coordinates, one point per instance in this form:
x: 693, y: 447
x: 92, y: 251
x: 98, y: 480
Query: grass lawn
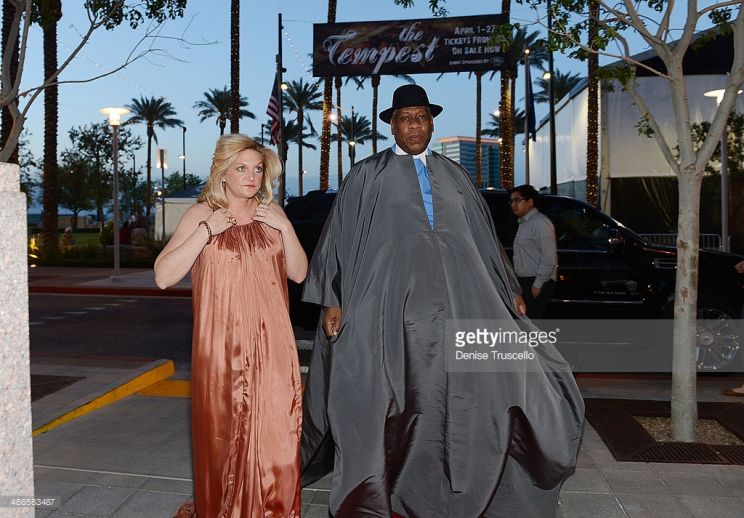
x: 84, y: 238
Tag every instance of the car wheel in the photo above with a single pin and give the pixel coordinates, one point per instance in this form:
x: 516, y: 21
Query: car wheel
x: 719, y: 338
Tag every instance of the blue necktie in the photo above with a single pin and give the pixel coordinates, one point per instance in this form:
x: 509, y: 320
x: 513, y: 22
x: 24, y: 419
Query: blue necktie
x: 423, y: 178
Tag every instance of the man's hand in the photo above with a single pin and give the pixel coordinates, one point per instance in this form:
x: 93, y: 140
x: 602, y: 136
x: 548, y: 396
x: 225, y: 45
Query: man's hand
x: 520, y: 306
x: 535, y: 292
x: 331, y: 321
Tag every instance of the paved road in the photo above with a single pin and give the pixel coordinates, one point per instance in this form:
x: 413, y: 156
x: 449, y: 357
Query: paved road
x: 157, y: 327
x: 146, y: 327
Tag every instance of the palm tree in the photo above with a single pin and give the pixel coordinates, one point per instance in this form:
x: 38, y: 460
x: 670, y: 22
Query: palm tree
x: 49, y: 14
x: 592, y: 130
x: 302, y: 139
x: 235, y: 66
x: 356, y: 128
x: 494, y: 129
x: 9, y: 8
x: 514, y: 46
x: 340, y: 148
x: 152, y: 111
x: 562, y: 85
x: 217, y: 103
x: 325, y: 135
x: 301, y: 97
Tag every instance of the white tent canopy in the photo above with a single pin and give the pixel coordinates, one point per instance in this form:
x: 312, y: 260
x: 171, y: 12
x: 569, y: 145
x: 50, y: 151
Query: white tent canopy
x: 172, y: 209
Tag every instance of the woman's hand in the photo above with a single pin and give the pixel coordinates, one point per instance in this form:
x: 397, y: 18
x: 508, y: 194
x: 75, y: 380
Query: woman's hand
x: 273, y: 215
x: 220, y: 220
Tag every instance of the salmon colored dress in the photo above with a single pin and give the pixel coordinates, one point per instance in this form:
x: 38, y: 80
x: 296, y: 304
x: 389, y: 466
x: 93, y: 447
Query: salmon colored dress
x: 245, y: 379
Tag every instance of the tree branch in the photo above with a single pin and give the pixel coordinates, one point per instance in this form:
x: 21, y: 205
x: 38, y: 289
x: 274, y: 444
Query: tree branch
x: 718, y: 6
x: 735, y: 80
x: 664, y: 24
x: 688, y: 32
x: 648, y: 116
x: 562, y: 32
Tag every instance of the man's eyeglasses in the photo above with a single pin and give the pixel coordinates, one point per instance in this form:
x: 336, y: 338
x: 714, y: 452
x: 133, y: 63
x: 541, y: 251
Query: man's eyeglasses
x: 512, y: 201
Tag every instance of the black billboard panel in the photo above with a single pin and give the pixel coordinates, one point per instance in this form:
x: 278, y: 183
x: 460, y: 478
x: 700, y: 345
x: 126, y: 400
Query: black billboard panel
x: 406, y: 46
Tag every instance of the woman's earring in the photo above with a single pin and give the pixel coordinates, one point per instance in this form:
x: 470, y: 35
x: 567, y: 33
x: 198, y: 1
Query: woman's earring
x: 223, y: 184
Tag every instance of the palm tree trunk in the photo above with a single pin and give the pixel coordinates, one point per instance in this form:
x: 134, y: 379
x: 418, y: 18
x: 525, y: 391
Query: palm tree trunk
x: 340, y: 147
x: 7, y: 118
x: 506, y: 155
x: 51, y: 13
x: 375, y: 88
x: 478, y: 150
x: 325, y: 134
x: 592, y: 132
x: 506, y: 132
x: 235, y: 66
x: 148, y: 194
x: 301, y: 126
x: 223, y: 123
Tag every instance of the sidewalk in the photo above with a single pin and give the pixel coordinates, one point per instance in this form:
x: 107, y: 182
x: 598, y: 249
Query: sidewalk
x: 132, y: 458
x: 118, y: 437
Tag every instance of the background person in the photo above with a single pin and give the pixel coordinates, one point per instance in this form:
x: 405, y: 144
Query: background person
x: 535, y: 253
x: 245, y: 379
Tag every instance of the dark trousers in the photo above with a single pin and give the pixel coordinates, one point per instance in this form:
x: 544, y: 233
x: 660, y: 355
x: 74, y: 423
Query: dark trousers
x: 536, y: 306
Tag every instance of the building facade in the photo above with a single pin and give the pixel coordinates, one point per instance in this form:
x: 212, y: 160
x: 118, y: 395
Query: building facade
x: 462, y: 151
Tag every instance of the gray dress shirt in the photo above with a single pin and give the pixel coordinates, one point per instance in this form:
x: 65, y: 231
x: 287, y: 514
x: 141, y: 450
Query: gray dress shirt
x: 535, y: 252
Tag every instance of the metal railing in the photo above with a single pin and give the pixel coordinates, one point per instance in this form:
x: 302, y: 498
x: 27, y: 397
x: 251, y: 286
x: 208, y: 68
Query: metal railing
x: 707, y: 241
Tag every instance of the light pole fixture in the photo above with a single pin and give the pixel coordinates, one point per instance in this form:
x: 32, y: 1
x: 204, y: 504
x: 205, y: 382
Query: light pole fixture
x: 551, y: 101
x: 183, y: 157
x: 718, y: 96
x: 114, y: 120
x: 162, y: 163
x: 497, y: 113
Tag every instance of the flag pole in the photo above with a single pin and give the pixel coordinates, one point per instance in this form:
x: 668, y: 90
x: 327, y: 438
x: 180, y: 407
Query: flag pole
x: 280, y: 101
x: 527, y: 116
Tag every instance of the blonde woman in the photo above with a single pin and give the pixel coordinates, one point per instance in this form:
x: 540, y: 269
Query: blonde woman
x: 246, y: 391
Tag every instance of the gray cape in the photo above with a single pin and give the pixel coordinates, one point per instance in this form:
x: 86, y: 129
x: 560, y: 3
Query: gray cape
x: 401, y: 433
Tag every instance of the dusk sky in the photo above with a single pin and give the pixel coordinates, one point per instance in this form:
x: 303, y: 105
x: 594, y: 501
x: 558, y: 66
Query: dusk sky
x: 187, y: 69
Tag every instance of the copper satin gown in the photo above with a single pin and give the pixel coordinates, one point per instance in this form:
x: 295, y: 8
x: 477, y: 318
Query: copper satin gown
x: 246, y: 388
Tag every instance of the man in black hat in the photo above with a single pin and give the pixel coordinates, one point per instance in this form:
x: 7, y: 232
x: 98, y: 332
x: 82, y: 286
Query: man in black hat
x: 409, y: 248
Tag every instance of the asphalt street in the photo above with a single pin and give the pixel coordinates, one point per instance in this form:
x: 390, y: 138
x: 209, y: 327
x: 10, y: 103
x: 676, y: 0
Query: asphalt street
x: 148, y: 327
x: 102, y: 325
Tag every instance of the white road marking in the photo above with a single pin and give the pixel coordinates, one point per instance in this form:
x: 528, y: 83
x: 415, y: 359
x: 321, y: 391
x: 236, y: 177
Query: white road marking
x: 76, y: 312
x: 55, y: 318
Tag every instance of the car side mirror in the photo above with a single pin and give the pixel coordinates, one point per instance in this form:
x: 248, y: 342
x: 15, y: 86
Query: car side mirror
x: 616, y: 239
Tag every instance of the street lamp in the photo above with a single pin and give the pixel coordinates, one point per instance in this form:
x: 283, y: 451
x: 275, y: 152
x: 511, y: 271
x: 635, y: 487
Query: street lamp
x: 163, y: 165
x: 183, y: 157
x: 114, y: 120
x: 352, y: 141
x: 718, y: 95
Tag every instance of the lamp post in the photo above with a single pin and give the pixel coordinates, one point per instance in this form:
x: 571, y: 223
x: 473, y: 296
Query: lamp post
x: 718, y: 95
x: 114, y: 120
x: 551, y: 102
x: 183, y: 157
x: 352, y: 141
x: 526, y: 56
x: 163, y: 165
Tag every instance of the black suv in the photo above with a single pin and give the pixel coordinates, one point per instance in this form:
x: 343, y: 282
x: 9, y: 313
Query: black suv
x: 605, y: 269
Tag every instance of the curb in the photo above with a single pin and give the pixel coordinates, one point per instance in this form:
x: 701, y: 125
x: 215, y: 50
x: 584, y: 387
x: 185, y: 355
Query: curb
x: 158, y: 373
x: 95, y: 290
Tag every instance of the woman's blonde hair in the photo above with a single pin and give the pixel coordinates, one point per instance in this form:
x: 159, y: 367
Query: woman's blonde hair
x: 225, y: 153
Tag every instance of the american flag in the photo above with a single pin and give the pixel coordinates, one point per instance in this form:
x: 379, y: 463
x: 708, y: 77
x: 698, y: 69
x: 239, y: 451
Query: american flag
x: 273, y: 112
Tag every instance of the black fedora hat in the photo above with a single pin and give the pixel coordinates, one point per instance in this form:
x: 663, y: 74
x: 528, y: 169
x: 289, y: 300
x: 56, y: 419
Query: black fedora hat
x: 406, y: 96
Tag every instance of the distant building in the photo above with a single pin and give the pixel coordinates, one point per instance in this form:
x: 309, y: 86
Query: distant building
x: 462, y: 151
